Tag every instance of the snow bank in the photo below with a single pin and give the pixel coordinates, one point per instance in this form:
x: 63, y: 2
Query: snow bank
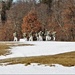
x: 35, y: 69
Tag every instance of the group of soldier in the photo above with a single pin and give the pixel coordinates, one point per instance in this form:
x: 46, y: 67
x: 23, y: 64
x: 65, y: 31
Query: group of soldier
x: 40, y: 36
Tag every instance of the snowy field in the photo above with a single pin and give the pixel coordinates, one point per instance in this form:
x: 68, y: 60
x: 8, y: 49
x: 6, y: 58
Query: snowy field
x: 39, y: 48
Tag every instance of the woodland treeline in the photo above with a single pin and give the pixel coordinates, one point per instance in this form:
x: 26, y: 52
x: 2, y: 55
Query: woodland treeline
x: 27, y: 16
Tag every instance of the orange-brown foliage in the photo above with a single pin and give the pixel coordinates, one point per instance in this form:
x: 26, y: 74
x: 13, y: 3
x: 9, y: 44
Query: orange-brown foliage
x: 31, y: 23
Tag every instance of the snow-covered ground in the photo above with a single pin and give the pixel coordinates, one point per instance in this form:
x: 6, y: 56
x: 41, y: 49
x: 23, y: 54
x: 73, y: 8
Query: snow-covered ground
x: 41, y: 48
x: 35, y: 69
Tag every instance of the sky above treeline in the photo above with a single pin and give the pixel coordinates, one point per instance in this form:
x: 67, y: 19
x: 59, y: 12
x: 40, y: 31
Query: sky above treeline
x: 16, y: 0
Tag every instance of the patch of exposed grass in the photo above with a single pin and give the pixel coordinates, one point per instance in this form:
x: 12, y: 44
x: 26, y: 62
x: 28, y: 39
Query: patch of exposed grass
x: 16, y: 44
x: 22, y: 45
x: 65, y: 59
x: 4, y: 49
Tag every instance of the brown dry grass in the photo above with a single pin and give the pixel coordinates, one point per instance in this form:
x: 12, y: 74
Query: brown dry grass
x: 4, y: 49
x: 65, y: 59
x: 15, y: 44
